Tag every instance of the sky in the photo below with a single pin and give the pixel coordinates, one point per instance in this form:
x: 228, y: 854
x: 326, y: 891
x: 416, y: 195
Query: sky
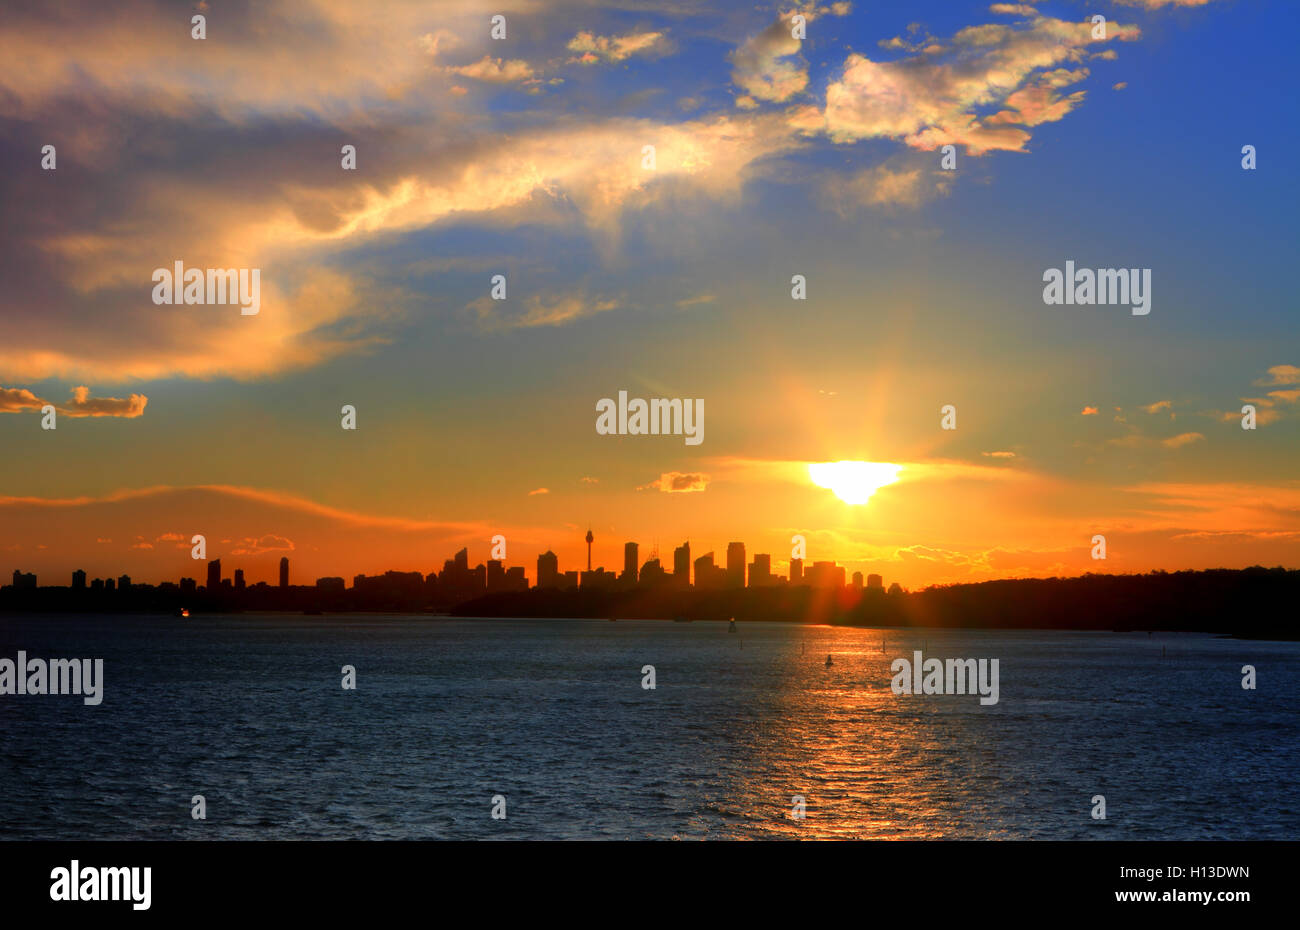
x: 525, y: 156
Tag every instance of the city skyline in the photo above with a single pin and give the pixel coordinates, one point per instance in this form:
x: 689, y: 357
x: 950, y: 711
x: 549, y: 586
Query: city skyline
x: 494, y: 575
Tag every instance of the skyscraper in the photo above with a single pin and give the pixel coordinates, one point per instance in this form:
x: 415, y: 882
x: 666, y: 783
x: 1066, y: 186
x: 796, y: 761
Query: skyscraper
x: 760, y: 571
x: 796, y: 571
x: 682, y: 565
x: 736, y: 565
x: 548, y: 570
x: 284, y: 571
x: 496, y: 576
x: 78, y: 579
x: 239, y: 579
x: 590, y: 538
x: 629, y: 563
x: 214, y: 575
x: 875, y: 581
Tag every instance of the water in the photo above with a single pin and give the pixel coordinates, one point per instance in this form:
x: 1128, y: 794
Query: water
x: 249, y: 712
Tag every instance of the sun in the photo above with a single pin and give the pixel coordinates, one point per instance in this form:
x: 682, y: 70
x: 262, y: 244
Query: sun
x: 853, y: 482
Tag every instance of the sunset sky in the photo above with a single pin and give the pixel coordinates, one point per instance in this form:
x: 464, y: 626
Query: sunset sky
x: 523, y: 157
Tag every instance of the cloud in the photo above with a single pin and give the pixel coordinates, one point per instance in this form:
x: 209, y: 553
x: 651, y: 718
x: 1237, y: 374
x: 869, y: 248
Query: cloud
x: 539, y: 310
x: 1271, y: 407
x: 435, y: 42
x: 537, y: 491
x: 267, y: 543
x: 1280, y: 374
x: 931, y: 98
x: 999, y: 455
x: 1119, y: 86
x: 1159, y: 4
x: 676, y: 482
x: 17, y: 400
x: 1089, y: 411
x: 1182, y: 439
x: 281, y: 56
x: 79, y: 306
x: 593, y: 48
x: 1039, y: 102
x: 1013, y: 9
x: 1157, y: 406
x: 495, y: 70
x: 762, y: 66
x: 885, y: 185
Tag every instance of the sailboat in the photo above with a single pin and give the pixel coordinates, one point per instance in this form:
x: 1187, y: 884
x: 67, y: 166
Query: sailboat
x: 732, y: 627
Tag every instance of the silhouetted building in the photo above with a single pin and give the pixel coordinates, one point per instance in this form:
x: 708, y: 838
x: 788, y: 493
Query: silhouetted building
x: 569, y: 581
x: 548, y: 570
x: 97, y: 585
x: 284, y: 571
x: 760, y: 571
x: 458, y: 582
x: 709, y: 576
x: 516, y: 580
x: 629, y: 563
x: 735, y: 565
x: 124, y: 583
x: 598, y: 579
x: 330, y: 584
x: 496, y: 576
x: 590, y: 538
x: 79, y: 579
x: 24, y: 579
x: 796, y: 571
x: 214, y: 575
x: 189, y: 586
x: 682, y: 565
x: 895, y: 588
x: 857, y: 580
x: 652, y: 574
x: 239, y: 579
x: 876, y: 582
x: 109, y: 584
x: 825, y: 575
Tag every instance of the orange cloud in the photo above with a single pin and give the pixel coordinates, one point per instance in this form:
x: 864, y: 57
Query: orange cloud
x: 931, y: 99
x: 17, y: 400
x: 676, y: 482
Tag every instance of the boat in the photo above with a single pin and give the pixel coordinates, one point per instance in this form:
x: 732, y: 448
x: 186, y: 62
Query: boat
x: 732, y: 627
x: 185, y: 612
x: 829, y: 663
